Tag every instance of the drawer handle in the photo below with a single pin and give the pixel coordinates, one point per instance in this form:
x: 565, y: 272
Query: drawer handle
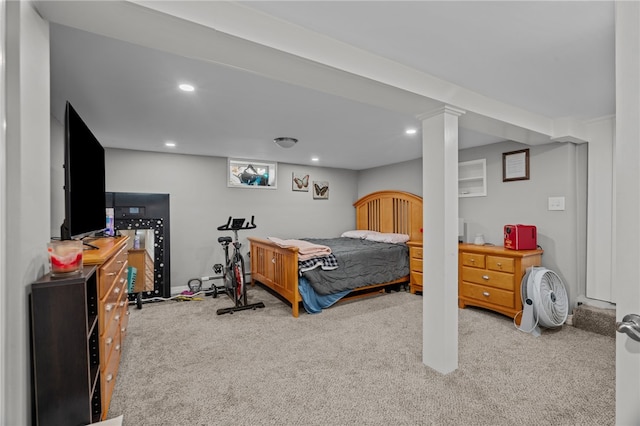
x: 121, y: 280
x: 108, y: 341
x: 472, y: 260
x: 110, y: 274
x: 109, y: 377
x: 123, y: 330
x: 121, y: 304
x: 127, y: 313
x: 120, y: 261
x: 116, y: 290
x: 117, y: 348
x: 273, y: 260
x: 486, y: 294
x: 108, y: 307
x: 485, y: 277
x: 117, y: 318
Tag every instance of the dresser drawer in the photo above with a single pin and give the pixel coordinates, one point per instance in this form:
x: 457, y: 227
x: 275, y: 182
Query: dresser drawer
x: 107, y: 340
x: 503, y: 264
x: 124, y: 320
x: 488, y: 278
x: 108, y: 374
x: 110, y: 270
x: 488, y: 294
x: 108, y: 306
x: 112, y: 316
x: 415, y: 264
x: 473, y: 259
x: 416, y: 277
x: 416, y: 252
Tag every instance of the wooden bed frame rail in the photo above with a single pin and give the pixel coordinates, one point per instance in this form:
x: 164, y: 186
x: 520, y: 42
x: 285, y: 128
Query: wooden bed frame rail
x: 384, y: 211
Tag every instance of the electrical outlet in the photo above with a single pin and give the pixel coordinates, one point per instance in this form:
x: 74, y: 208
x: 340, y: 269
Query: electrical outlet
x: 556, y: 203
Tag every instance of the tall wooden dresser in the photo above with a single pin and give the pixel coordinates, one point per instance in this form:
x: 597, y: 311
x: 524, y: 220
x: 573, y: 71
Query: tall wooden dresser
x: 113, y: 302
x: 490, y: 277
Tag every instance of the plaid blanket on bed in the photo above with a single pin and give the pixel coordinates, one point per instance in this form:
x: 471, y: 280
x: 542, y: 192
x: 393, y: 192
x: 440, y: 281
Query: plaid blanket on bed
x: 327, y: 263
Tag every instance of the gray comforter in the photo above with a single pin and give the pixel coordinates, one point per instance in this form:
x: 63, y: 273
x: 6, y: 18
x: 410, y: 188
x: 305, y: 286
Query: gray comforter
x: 360, y: 263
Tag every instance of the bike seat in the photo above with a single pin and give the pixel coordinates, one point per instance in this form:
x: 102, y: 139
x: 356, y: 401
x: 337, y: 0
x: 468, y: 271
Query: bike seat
x: 225, y: 240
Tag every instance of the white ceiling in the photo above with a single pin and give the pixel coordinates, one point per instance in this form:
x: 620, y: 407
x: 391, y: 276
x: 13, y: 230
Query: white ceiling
x: 554, y: 60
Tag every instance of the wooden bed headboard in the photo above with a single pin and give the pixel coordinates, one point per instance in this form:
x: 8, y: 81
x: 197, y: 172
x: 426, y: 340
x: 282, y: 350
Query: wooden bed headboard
x: 390, y: 211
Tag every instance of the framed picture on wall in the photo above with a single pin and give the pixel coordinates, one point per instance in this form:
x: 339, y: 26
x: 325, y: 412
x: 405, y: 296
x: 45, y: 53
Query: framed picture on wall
x: 320, y: 190
x: 300, y: 182
x: 515, y: 165
x: 251, y: 174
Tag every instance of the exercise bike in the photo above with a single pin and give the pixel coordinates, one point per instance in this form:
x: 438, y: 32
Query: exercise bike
x: 233, y: 273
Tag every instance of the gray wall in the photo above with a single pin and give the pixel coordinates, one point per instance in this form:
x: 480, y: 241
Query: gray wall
x: 26, y: 213
x: 557, y: 169
x: 405, y: 176
x: 200, y: 201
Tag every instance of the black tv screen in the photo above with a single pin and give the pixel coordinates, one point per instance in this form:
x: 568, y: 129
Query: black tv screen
x: 84, y: 180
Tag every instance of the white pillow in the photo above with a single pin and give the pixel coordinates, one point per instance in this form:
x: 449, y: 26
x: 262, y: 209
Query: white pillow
x: 388, y: 237
x: 361, y: 234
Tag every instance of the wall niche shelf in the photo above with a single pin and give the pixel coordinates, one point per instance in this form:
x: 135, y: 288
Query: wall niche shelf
x: 472, y: 178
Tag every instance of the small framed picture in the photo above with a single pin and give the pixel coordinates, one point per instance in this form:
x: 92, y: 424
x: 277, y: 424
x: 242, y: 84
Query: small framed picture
x: 300, y: 182
x: 251, y: 174
x: 320, y: 190
x: 515, y: 165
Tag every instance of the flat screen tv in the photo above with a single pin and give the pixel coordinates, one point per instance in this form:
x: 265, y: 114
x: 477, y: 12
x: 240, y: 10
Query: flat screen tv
x: 84, y: 180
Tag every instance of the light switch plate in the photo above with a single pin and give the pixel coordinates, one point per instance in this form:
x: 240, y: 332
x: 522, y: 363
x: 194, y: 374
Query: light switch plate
x: 556, y: 203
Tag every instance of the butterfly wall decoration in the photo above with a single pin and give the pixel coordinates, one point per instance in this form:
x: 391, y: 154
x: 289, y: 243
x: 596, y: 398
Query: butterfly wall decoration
x: 300, y: 182
x: 320, y: 189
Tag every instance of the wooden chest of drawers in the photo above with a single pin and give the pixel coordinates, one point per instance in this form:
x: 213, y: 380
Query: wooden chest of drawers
x: 490, y: 277
x: 111, y: 258
x: 142, y: 261
x: 415, y: 266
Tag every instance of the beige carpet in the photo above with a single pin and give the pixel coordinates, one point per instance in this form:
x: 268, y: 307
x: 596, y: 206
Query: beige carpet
x: 356, y: 363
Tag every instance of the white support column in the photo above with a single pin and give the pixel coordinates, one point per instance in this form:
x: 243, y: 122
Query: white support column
x: 3, y: 215
x: 440, y: 239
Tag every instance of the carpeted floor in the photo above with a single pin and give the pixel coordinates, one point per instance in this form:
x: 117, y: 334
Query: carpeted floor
x: 356, y: 363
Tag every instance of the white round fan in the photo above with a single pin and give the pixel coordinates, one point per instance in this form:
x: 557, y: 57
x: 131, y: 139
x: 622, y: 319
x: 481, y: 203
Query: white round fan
x: 544, y: 299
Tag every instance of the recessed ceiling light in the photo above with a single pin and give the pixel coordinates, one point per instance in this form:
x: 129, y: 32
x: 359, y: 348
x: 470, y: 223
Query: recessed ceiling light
x: 186, y: 87
x: 411, y: 131
x: 315, y: 159
x: 170, y: 144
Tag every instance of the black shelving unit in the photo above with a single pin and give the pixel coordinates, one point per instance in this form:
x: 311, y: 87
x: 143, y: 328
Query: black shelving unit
x: 65, y: 349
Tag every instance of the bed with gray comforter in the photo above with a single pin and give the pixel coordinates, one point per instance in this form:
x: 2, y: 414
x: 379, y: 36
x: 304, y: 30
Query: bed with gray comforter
x: 360, y: 263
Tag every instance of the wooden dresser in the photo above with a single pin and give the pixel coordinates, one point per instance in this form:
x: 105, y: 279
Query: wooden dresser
x: 415, y: 266
x: 113, y: 313
x: 142, y: 261
x: 490, y: 277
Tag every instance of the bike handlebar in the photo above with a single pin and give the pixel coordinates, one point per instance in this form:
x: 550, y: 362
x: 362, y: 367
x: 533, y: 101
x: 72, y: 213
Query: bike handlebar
x: 237, y: 224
